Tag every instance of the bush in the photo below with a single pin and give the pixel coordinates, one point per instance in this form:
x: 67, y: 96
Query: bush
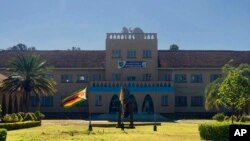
x: 20, y: 125
x: 242, y: 119
x: 30, y: 116
x: 226, y: 118
x: 218, y: 117
x: 214, y: 131
x: 22, y: 114
x: 39, y: 115
x: 20, y: 118
x: 3, y: 134
x: 14, y: 117
x: 7, y: 118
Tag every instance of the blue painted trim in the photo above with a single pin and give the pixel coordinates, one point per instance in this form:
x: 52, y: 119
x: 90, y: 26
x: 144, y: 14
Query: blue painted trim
x: 132, y: 89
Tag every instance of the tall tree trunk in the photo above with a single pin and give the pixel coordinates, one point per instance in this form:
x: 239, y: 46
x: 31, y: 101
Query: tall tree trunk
x: 10, y: 104
x: 233, y: 113
x: 4, y: 107
x: 16, y: 104
x: 25, y: 102
x: 38, y: 102
x: 21, y: 104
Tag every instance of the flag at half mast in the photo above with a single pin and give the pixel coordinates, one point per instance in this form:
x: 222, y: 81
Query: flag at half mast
x: 75, y: 98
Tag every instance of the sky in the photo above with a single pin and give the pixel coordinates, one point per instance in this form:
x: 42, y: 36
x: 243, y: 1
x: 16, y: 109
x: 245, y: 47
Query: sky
x: 62, y: 24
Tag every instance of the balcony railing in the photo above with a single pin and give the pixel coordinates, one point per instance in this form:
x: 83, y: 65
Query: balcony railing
x: 131, y: 83
x: 132, y: 36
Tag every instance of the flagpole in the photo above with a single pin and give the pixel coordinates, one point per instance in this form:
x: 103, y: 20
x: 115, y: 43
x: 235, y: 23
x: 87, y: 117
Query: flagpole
x: 90, y: 126
x: 156, y: 79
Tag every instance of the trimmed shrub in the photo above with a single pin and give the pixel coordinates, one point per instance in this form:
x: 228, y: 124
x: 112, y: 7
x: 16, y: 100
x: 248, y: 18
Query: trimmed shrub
x: 214, y: 131
x: 14, y: 117
x: 22, y: 114
x: 7, y: 118
x: 3, y: 134
x: 39, y: 115
x: 30, y: 116
x: 20, y: 118
x: 20, y: 125
x: 218, y: 117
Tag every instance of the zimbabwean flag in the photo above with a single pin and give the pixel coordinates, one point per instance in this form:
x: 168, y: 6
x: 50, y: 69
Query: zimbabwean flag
x: 75, y: 98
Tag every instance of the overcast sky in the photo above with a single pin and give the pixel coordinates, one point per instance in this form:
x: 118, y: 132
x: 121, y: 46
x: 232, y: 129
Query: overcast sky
x: 61, y: 24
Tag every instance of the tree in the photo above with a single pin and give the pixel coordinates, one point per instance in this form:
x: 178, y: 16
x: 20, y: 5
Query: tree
x: 234, y: 92
x: 21, y: 47
x: 27, y: 77
x: 10, y: 104
x: 4, y: 107
x: 211, y: 94
x: 174, y: 47
x: 16, y: 104
x: 75, y: 48
x: 231, y: 91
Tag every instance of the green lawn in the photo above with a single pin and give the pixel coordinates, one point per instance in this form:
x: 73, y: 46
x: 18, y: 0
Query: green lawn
x: 168, y: 131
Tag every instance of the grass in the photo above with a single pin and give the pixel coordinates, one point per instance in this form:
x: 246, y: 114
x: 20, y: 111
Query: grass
x: 168, y: 131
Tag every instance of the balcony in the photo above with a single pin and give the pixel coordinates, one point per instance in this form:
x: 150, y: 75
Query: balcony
x: 131, y: 36
x: 131, y: 84
x: 135, y: 86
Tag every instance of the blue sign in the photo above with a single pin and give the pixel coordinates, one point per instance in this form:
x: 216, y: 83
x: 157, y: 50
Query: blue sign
x: 131, y: 64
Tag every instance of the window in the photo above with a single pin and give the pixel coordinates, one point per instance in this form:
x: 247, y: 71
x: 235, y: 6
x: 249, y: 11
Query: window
x: 164, y: 100
x: 49, y: 76
x: 214, y: 77
x: 82, y: 78
x: 167, y: 77
x: 147, y: 77
x: 97, y: 77
x: 98, y: 100
x: 116, y: 53
x: 196, y: 101
x: 180, y: 101
x: 147, y: 54
x: 116, y: 76
x: 47, y: 101
x: 180, y: 78
x: 131, y: 78
x: 196, y: 78
x: 66, y: 78
x: 131, y: 54
x: 34, y: 101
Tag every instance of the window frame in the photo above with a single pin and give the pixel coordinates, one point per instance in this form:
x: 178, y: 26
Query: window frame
x: 66, y: 80
x: 98, y: 100
x: 86, y: 78
x: 131, y: 54
x: 164, y: 100
x: 147, y: 53
x: 182, y: 80
x: 180, y: 104
x: 194, y: 78
x: 116, y: 53
x: 200, y: 103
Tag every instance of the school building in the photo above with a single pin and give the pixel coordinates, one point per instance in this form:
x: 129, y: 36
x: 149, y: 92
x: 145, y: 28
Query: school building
x: 159, y: 81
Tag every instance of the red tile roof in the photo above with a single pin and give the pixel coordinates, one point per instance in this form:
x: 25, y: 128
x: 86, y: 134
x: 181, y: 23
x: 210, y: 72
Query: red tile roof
x: 166, y: 58
x: 62, y: 59
x: 201, y: 59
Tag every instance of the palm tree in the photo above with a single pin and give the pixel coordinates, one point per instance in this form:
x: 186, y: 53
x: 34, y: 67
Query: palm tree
x: 27, y: 77
x: 211, y: 94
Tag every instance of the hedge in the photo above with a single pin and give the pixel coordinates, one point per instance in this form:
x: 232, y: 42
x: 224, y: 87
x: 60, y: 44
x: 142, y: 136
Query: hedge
x: 3, y: 134
x: 214, y: 131
x: 218, y: 117
x: 20, y: 125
